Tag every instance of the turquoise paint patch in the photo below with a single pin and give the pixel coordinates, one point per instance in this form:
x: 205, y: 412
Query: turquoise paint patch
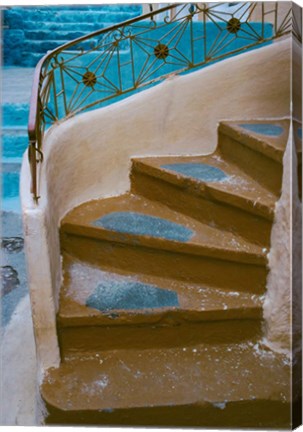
x: 10, y: 184
x: 125, y: 294
x: 141, y: 224
x: 263, y: 129
x: 300, y: 133
x: 198, y: 171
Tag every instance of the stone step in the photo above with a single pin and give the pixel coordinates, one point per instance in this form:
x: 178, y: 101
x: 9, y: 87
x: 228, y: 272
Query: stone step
x: 85, y: 27
x: 47, y: 35
x: 31, y: 17
x: 127, y: 7
x: 36, y: 46
x: 10, y: 178
x: 208, y: 189
x: 101, y: 309
x: 17, y: 17
x: 219, y: 385
x: 257, y: 147
x: 29, y: 59
x: 15, y: 115
x: 147, y: 237
x: 14, y: 145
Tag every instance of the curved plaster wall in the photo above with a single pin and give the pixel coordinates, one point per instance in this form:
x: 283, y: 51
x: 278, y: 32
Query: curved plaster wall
x: 285, y: 243
x: 88, y: 156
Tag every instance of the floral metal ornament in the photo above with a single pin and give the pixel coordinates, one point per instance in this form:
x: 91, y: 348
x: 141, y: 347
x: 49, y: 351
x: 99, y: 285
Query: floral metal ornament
x: 161, y: 51
x: 89, y: 79
x: 233, y: 25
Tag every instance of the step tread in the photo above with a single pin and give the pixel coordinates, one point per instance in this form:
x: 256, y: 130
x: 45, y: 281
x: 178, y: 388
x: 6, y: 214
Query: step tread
x: 238, y: 190
x: 271, y: 145
x: 203, y: 374
x: 194, y: 302
x: 206, y: 240
x: 14, y: 130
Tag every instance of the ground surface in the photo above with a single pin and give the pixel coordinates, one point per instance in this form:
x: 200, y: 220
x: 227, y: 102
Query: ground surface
x: 17, y: 368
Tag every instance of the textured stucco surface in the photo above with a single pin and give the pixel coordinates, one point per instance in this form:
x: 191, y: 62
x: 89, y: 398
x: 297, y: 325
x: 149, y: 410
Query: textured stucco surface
x: 284, y: 278
x: 88, y: 156
x: 18, y: 370
x: 277, y: 304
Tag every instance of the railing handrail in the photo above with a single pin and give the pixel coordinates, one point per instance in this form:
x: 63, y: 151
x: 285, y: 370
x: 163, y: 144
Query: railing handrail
x: 33, y: 111
x: 42, y: 113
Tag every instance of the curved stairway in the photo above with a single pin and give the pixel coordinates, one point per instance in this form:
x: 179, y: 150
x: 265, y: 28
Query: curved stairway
x: 29, y: 32
x: 160, y: 317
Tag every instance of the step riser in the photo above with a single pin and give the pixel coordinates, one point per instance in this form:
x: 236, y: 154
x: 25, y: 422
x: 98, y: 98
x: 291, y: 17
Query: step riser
x: 31, y: 17
x: 81, y: 340
x: 190, y: 268
x: 15, y: 115
x: 254, y: 229
x: 14, y: 146
x: 59, y: 26
x: 258, y: 166
x: 53, y: 35
x: 239, y: 415
x: 44, y: 46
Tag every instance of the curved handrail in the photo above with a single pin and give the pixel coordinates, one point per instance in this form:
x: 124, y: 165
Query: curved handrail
x: 209, y: 15
x: 33, y: 112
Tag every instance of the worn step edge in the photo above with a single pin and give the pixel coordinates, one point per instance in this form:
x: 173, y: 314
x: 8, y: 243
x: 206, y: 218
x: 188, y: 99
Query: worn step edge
x: 204, y: 189
x: 158, y: 317
x: 207, y: 379
x: 164, y: 244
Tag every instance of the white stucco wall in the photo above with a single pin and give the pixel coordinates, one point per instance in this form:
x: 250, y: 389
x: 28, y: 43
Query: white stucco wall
x: 88, y: 156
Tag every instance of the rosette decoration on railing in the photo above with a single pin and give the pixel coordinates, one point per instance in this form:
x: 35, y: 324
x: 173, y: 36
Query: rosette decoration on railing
x: 110, y: 64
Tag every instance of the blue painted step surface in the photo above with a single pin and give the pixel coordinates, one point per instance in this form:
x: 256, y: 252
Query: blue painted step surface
x: 198, y: 171
x: 16, y: 16
x: 118, y: 293
x: 67, y: 16
x: 86, y: 27
x: 10, y: 180
x: 14, y: 140
x: 263, y: 128
x: 15, y: 114
x: 24, y: 25
x: 14, y: 145
x: 145, y: 225
x: 42, y: 35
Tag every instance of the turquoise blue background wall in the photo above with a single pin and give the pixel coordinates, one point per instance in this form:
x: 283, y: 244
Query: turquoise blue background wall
x: 29, y: 32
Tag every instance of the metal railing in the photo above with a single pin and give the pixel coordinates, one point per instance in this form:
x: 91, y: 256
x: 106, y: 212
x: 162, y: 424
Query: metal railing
x: 109, y: 64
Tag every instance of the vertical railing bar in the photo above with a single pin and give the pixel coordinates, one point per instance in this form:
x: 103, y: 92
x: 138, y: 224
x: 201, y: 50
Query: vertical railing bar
x: 192, y: 42
x: 132, y: 61
x: 262, y: 5
x: 55, y: 95
x: 63, y: 88
x: 119, y: 68
x: 276, y: 17
x: 205, y: 35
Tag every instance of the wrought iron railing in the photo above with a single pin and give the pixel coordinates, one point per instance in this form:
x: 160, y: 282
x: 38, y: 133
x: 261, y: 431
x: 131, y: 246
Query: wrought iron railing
x: 111, y: 63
